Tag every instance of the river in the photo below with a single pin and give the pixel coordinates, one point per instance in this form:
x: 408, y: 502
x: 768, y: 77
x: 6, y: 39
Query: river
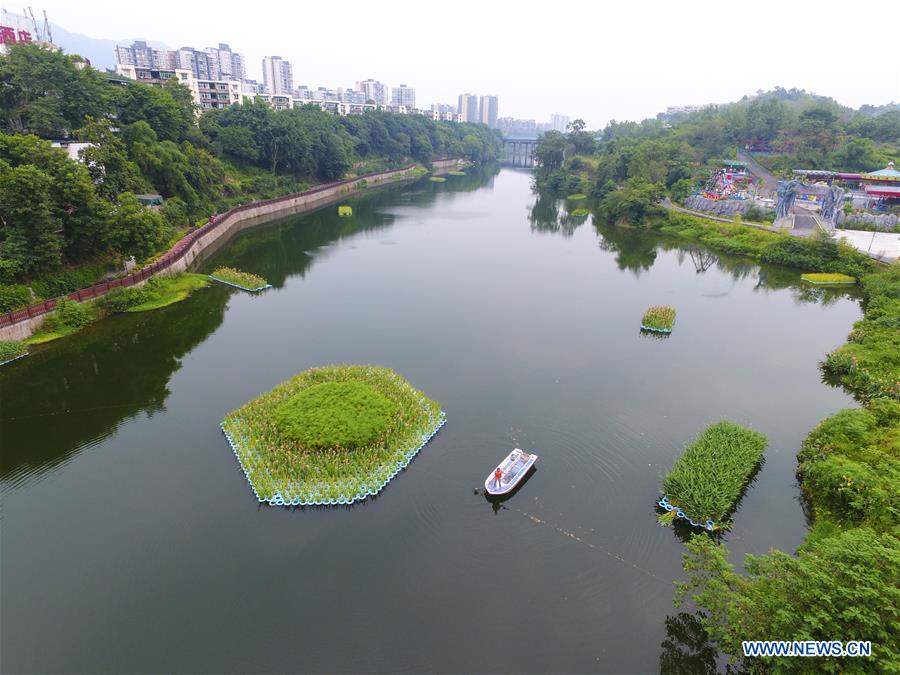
x: 131, y: 541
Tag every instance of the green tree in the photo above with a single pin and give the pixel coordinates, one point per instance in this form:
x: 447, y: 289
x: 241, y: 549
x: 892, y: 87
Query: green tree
x: 43, y: 92
x: 842, y: 587
x: 137, y: 230
x: 550, y: 151
x: 107, y: 160
x: 30, y: 243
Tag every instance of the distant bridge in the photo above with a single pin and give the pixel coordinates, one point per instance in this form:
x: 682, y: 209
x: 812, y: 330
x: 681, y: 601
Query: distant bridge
x: 520, y: 151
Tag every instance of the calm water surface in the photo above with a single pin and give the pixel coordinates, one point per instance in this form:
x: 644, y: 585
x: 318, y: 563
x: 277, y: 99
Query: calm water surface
x: 132, y: 543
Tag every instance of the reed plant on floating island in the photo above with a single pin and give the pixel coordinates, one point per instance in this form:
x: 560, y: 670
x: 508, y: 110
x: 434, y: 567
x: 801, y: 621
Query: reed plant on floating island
x: 659, y: 318
x: 706, y: 482
x: 10, y: 350
x: 243, y: 280
x: 331, y: 435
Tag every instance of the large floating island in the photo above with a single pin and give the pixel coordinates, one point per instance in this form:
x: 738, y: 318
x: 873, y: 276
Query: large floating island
x: 331, y: 435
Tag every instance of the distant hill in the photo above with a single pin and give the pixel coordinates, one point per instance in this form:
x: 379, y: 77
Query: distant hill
x: 100, y: 52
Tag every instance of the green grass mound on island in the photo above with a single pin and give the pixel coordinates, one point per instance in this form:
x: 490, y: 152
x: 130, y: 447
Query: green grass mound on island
x: 708, y: 479
x: 243, y: 280
x: 577, y: 196
x: 659, y: 318
x: 330, y: 435
x: 438, y: 179
x: 12, y: 349
x: 827, y: 278
x: 578, y: 213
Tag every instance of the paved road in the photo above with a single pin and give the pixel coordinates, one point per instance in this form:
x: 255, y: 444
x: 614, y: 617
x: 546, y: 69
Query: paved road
x: 771, y: 182
x: 804, y: 224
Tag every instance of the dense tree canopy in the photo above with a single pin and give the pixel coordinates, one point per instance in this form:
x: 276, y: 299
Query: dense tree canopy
x: 144, y: 139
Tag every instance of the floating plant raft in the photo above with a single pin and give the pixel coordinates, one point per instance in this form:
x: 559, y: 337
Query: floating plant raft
x: 659, y: 318
x: 577, y: 196
x: 345, y: 211
x: 332, y: 435
x: 438, y: 179
x: 828, y: 279
x: 456, y: 173
x: 707, y: 480
x: 243, y: 280
x: 10, y: 350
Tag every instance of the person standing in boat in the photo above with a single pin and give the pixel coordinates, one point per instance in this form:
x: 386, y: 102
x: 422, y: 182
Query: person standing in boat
x: 498, y: 474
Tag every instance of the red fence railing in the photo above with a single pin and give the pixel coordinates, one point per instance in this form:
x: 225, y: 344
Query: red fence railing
x: 178, y: 251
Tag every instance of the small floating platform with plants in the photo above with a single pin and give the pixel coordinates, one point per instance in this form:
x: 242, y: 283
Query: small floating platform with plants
x: 330, y: 436
x: 345, y: 211
x: 659, y: 319
x: 10, y: 350
x: 512, y: 470
x: 456, y: 173
x: 243, y: 280
x: 578, y: 196
x: 438, y: 179
x: 706, y: 482
x: 828, y: 279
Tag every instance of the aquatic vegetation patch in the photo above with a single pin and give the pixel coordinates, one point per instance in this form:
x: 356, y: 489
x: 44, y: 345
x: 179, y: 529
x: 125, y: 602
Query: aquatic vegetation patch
x: 331, y: 435
x: 346, y: 415
x: 659, y: 318
x: 580, y: 212
x: 577, y: 196
x: 239, y: 279
x: 10, y: 350
x: 707, y: 480
x: 345, y: 211
x: 438, y: 179
x: 456, y: 173
x: 827, y: 278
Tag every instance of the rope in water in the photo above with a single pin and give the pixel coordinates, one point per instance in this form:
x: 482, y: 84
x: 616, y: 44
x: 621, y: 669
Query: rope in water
x: 591, y: 545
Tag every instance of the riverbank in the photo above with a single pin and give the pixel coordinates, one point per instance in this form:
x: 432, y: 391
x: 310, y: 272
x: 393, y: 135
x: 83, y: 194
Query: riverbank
x: 22, y: 324
x: 848, y: 471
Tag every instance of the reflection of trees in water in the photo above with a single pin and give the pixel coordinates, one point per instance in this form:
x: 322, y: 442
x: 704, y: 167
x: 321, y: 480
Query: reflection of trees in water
x: 702, y: 260
x: 635, y: 248
x: 686, y: 649
x: 546, y: 215
x: 280, y: 249
x: 77, y: 392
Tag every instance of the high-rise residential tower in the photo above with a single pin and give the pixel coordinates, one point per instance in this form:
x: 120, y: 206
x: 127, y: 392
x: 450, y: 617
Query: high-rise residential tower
x: 487, y: 110
x: 278, y: 75
x: 404, y: 95
x: 468, y: 107
x: 374, y: 91
x: 230, y: 64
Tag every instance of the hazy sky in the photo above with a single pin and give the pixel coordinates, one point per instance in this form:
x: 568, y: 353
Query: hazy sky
x: 599, y: 61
